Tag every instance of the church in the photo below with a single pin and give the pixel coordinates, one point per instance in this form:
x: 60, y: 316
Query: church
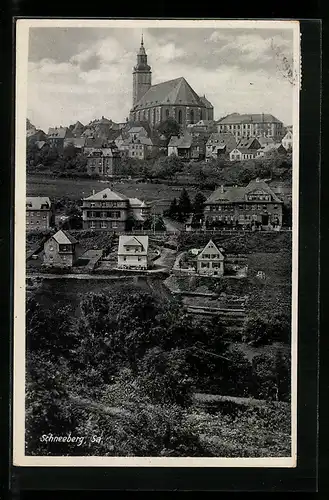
x: 174, y: 98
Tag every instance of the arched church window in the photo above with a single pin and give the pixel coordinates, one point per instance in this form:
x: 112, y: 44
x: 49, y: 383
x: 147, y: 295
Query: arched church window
x: 201, y: 114
x: 154, y: 116
x: 180, y: 117
x: 192, y: 116
x: 167, y: 113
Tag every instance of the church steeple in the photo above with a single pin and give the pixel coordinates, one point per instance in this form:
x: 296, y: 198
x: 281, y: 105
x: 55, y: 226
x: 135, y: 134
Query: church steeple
x: 141, y: 74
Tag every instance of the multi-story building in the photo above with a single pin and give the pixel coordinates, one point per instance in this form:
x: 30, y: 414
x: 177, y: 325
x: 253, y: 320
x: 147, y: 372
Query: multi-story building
x: 133, y: 252
x: 253, y: 125
x: 103, y: 161
x: 210, y: 261
x: 61, y: 250
x: 271, y: 148
x: 255, y: 204
x: 220, y: 145
x: 287, y: 140
x: 111, y: 210
x: 246, y: 149
x: 57, y: 136
x: 39, y: 213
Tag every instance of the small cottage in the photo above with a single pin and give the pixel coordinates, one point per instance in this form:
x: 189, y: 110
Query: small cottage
x: 133, y: 252
x: 210, y: 261
x: 61, y: 250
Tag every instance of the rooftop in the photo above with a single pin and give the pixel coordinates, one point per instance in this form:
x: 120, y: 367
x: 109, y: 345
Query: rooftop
x: 248, y: 118
x: 237, y: 194
x: 64, y: 238
x: 132, y: 240
x: 176, y: 91
x: 36, y: 202
x: 108, y: 195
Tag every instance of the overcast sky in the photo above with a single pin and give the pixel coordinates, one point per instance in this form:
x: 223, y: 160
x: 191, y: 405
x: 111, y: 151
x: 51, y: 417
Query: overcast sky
x: 85, y: 73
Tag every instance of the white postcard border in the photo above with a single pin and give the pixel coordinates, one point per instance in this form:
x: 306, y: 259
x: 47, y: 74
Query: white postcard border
x: 19, y: 457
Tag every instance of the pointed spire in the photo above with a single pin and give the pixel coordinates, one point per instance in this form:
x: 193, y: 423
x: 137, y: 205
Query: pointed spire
x: 142, y: 40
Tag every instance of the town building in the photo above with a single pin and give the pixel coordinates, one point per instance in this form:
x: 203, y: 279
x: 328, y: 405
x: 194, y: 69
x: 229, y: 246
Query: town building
x: 203, y: 126
x: 269, y: 149
x: 61, y: 250
x: 180, y: 146
x: 251, y: 125
x: 57, y: 135
x: 76, y: 142
x: 210, y: 261
x: 110, y: 210
x: 77, y: 129
x: 287, y: 140
x: 104, y: 162
x: 133, y: 252
x: 253, y: 205
x: 39, y: 213
x: 246, y: 149
x: 173, y: 98
x: 265, y: 141
x: 220, y: 145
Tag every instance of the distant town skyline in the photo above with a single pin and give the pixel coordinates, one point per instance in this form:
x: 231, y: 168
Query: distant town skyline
x: 80, y: 74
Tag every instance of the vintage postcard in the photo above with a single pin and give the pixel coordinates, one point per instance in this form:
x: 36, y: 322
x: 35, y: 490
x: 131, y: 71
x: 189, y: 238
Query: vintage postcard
x: 156, y: 243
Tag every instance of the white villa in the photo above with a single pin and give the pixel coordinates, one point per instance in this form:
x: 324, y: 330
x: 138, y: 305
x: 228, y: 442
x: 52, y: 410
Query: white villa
x: 210, y: 261
x: 133, y: 252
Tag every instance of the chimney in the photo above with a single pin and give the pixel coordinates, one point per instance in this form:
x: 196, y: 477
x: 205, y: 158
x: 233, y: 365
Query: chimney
x: 222, y: 189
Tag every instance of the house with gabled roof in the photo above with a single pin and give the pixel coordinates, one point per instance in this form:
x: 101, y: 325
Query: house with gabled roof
x: 57, y: 135
x: 39, y: 213
x: 210, y: 261
x: 110, y: 210
x: 271, y: 148
x: 180, y: 146
x: 287, y: 140
x: 220, y: 145
x: 61, y: 250
x: 253, y: 205
x: 133, y: 252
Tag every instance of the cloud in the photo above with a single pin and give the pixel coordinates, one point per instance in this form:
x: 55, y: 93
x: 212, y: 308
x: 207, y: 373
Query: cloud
x: 97, y: 79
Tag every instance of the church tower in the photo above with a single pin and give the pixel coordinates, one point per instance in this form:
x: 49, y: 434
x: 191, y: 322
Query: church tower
x: 141, y: 75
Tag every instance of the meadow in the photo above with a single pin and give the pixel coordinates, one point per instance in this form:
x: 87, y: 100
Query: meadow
x: 160, y: 195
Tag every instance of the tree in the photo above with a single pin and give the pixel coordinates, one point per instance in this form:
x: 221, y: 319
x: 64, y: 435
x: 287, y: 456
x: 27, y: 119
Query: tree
x: 169, y: 128
x: 255, y: 330
x: 173, y: 209
x: 198, y: 205
x: 164, y: 376
x: 184, y: 204
x: 49, y: 330
x: 272, y: 375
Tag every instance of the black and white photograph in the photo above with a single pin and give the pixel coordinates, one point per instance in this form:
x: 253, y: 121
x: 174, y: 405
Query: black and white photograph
x: 156, y: 242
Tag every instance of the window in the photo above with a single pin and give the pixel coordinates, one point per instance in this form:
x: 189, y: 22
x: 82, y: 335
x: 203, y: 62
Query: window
x: 31, y: 222
x: 44, y: 216
x: 180, y: 117
x: 51, y: 248
x: 114, y: 225
x: 92, y: 205
x: 125, y: 258
x: 103, y: 225
x: 167, y: 113
x: 192, y: 116
x: 51, y: 257
x: 27, y: 223
x: 139, y: 259
x: 64, y: 257
x: 92, y: 224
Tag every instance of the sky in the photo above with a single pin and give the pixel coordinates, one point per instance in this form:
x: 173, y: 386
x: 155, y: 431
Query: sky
x: 86, y: 73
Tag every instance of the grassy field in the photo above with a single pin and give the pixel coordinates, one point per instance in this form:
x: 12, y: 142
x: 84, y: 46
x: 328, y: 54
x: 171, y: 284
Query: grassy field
x: 159, y: 194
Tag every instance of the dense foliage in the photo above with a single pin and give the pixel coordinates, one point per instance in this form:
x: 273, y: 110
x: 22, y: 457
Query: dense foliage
x: 126, y: 367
